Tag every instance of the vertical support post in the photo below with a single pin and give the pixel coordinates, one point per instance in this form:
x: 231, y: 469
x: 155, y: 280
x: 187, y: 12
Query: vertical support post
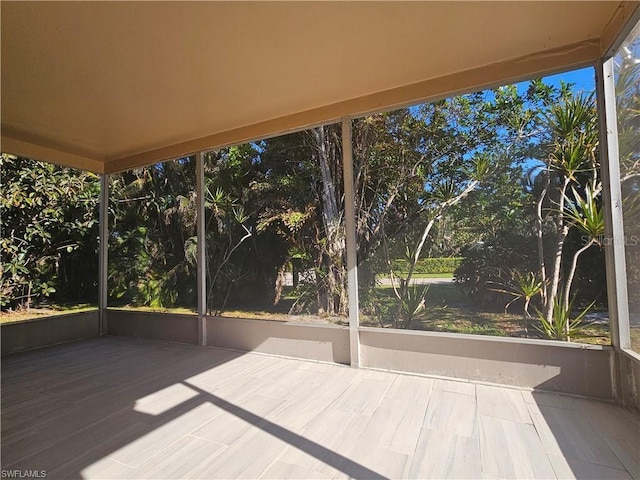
x: 614, y: 228
x: 612, y: 196
x: 350, y: 227
x: 103, y: 251
x: 202, y: 256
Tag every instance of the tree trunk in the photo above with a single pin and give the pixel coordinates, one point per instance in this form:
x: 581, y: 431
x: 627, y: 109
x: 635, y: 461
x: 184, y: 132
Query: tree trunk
x: 425, y: 233
x: 527, y: 316
x: 296, y: 274
x: 280, y: 280
x: 334, y: 246
x: 570, y: 275
x: 557, y: 263
x: 29, y: 297
x: 539, y: 239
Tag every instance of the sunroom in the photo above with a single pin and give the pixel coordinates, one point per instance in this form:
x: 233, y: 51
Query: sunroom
x: 320, y: 239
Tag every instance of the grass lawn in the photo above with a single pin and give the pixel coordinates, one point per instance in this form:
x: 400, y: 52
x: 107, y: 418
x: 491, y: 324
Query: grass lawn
x: 44, y: 311
x: 635, y: 339
x: 53, y: 310
x: 250, y: 313
x: 448, y: 310
x: 142, y: 308
x: 427, y: 275
x: 285, y: 317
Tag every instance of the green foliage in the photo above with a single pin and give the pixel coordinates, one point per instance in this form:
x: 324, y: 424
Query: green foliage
x: 489, y: 264
x: 411, y: 303
x: 473, y: 329
x: 585, y: 213
x: 562, y: 325
x: 152, y: 243
x: 521, y: 286
x: 155, y: 291
x: 481, y: 167
x: 443, y: 180
x: 541, y: 239
x: 429, y: 265
x: 627, y: 88
x: 49, y: 233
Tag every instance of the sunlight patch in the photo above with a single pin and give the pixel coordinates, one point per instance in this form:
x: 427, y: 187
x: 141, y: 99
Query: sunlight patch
x: 164, y: 400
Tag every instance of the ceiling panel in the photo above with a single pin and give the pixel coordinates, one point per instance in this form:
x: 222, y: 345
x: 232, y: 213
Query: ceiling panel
x: 109, y: 81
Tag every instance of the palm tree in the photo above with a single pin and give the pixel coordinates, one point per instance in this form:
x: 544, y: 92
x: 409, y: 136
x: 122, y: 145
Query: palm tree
x: 570, y: 165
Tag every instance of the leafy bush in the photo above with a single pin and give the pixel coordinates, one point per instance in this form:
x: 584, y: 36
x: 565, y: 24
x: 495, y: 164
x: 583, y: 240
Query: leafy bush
x: 484, y: 265
x: 562, y: 326
x: 429, y: 265
x: 49, y: 223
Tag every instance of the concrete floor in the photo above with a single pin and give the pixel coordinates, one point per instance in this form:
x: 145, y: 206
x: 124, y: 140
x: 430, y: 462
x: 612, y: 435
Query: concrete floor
x: 126, y: 408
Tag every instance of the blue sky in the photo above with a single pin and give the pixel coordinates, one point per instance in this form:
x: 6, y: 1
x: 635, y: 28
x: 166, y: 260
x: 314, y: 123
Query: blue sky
x: 584, y: 79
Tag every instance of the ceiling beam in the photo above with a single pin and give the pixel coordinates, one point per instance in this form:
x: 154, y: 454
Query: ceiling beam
x: 21, y: 148
x: 618, y: 27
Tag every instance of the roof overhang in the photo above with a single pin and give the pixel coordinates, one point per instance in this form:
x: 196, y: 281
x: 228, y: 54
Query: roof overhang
x: 108, y: 86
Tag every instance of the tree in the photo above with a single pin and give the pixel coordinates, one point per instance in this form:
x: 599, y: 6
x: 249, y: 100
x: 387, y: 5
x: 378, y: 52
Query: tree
x: 627, y: 86
x: 151, y: 235
x: 570, y: 166
x: 415, y: 167
x: 49, y: 233
x: 302, y: 195
x: 554, y: 132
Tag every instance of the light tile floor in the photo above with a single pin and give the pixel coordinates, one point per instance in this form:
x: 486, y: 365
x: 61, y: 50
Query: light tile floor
x: 124, y: 408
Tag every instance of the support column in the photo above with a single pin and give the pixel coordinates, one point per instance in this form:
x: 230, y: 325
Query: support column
x: 103, y: 249
x: 614, y: 230
x: 612, y: 196
x: 202, y: 255
x: 352, y: 254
